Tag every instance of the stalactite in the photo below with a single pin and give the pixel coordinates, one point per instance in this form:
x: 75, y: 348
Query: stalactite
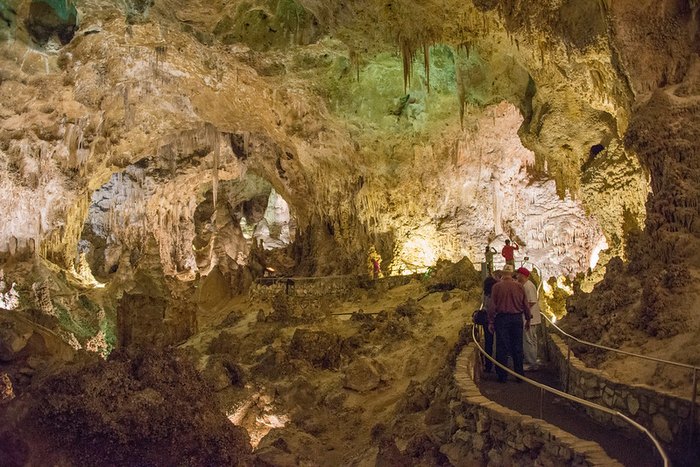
x: 214, y: 137
x: 355, y: 62
x: 408, y: 48
x: 160, y: 53
x: 426, y: 64
x: 407, y: 58
x: 460, y: 95
x: 127, y: 113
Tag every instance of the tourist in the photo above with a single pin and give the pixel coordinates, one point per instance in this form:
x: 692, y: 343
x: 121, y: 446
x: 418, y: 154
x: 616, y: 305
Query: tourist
x: 488, y: 256
x: 506, y: 320
x: 508, y: 252
x: 530, y: 344
x: 488, y: 334
x: 374, y: 261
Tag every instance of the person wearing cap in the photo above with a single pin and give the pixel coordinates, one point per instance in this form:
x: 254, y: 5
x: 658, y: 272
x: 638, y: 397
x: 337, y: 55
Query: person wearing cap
x: 530, y: 344
x: 508, y: 252
x: 505, y: 318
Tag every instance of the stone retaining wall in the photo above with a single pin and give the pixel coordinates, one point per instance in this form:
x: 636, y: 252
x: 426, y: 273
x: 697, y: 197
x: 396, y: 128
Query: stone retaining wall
x: 667, y: 416
x: 341, y: 287
x: 487, y: 433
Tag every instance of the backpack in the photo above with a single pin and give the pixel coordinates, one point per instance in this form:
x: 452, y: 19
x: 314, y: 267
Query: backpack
x: 480, y: 317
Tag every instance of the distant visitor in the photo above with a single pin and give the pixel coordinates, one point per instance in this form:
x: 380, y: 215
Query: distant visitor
x: 508, y: 252
x: 488, y: 256
x: 374, y: 263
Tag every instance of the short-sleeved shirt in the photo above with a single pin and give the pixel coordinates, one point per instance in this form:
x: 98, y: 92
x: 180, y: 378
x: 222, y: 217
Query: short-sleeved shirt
x: 531, y: 294
x: 507, y: 252
x: 508, y: 298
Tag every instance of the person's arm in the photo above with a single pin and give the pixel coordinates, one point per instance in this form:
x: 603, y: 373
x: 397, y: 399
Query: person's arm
x: 516, y: 246
x: 525, y: 305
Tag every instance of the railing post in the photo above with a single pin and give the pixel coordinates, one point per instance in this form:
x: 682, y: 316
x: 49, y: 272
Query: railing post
x: 692, y: 405
x: 568, y: 367
x: 541, y: 403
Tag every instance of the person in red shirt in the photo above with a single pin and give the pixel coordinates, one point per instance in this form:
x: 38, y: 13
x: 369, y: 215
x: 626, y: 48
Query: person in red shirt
x: 505, y: 317
x: 507, y: 252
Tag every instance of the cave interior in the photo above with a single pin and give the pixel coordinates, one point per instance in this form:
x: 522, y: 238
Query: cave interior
x: 252, y: 232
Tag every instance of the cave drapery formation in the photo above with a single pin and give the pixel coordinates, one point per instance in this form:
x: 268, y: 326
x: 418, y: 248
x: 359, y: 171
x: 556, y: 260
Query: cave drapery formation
x: 164, y: 149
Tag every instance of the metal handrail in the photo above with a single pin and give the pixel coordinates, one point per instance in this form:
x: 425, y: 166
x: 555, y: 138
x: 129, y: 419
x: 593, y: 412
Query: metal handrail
x: 624, y: 352
x: 603, y: 347
x: 544, y: 387
x: 308, y: 278
x: 693, y: 397
x: 694, y: 369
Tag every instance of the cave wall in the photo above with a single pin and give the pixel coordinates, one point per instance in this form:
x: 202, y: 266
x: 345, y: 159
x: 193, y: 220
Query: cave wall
x: 204, y: 93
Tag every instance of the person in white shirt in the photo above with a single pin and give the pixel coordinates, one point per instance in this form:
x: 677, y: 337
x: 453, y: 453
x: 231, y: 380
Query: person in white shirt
x: 530, y: 344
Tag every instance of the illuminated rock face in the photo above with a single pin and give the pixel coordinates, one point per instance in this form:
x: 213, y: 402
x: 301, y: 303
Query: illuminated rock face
x: 149, y: 109
x: 181, y: 147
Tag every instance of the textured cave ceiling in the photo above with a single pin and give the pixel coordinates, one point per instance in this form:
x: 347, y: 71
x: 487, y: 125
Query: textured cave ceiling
x: 427, y: 129
x: 159, y: 156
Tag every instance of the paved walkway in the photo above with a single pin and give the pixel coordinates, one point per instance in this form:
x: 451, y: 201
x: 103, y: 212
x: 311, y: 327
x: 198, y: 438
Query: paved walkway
x: 525, y: 399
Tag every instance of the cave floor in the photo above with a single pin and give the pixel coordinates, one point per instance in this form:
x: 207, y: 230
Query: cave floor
x: 303, y: 400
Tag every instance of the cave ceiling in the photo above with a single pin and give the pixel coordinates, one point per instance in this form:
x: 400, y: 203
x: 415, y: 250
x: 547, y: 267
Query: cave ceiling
x: 429, y: 128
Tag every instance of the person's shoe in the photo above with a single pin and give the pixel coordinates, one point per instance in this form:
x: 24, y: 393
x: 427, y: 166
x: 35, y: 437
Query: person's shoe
x: 531, y: 367
x: 502, y: 381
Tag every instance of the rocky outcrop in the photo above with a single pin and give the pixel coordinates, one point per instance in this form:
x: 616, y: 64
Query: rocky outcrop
x: 668, y: 417
x: 362, y: 375
x: 134, y: 408
x: 319, y: 348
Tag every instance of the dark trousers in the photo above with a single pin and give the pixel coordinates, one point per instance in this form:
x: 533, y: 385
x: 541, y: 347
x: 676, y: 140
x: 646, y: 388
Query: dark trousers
x: 488, y: 344
x: 509, y: 341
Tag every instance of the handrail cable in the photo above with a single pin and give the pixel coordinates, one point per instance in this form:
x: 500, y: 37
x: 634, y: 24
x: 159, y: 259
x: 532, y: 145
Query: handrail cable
x: 544, y: 387
x: 624, y: 352
x: 694, y: 369
x: 603, y: 347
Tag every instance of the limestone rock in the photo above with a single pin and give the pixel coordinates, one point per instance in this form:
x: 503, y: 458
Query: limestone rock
x: 437, y: 413
x: 306, y: 449
x: 12, y: 341
x: 415, y: 398
x: 319, y: 348
x: 448, y: 276
x: 221, y: 372
x: 362, y: 375
x: 272, y: 363
x: 271, y: 456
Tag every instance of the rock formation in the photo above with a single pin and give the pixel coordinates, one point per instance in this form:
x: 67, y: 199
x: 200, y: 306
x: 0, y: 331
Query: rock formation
x: 162, y: 159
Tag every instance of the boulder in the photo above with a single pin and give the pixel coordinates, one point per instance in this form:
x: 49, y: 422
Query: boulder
x: 12, y: 341
x: 448, y: 276
x: 319, y: 348
x: 362, y: 375
x: 283, y: 444
x: 270, y: 456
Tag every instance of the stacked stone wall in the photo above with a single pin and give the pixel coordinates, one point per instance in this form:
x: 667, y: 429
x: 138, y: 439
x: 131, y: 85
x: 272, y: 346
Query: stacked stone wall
x: 486, y: 433
x: 667, y: 416
x: 341, y: 287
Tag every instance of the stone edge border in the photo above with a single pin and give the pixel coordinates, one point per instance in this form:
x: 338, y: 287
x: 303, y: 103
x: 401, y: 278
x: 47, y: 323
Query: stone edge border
x: 664, y: 414
x: 557, y: 443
